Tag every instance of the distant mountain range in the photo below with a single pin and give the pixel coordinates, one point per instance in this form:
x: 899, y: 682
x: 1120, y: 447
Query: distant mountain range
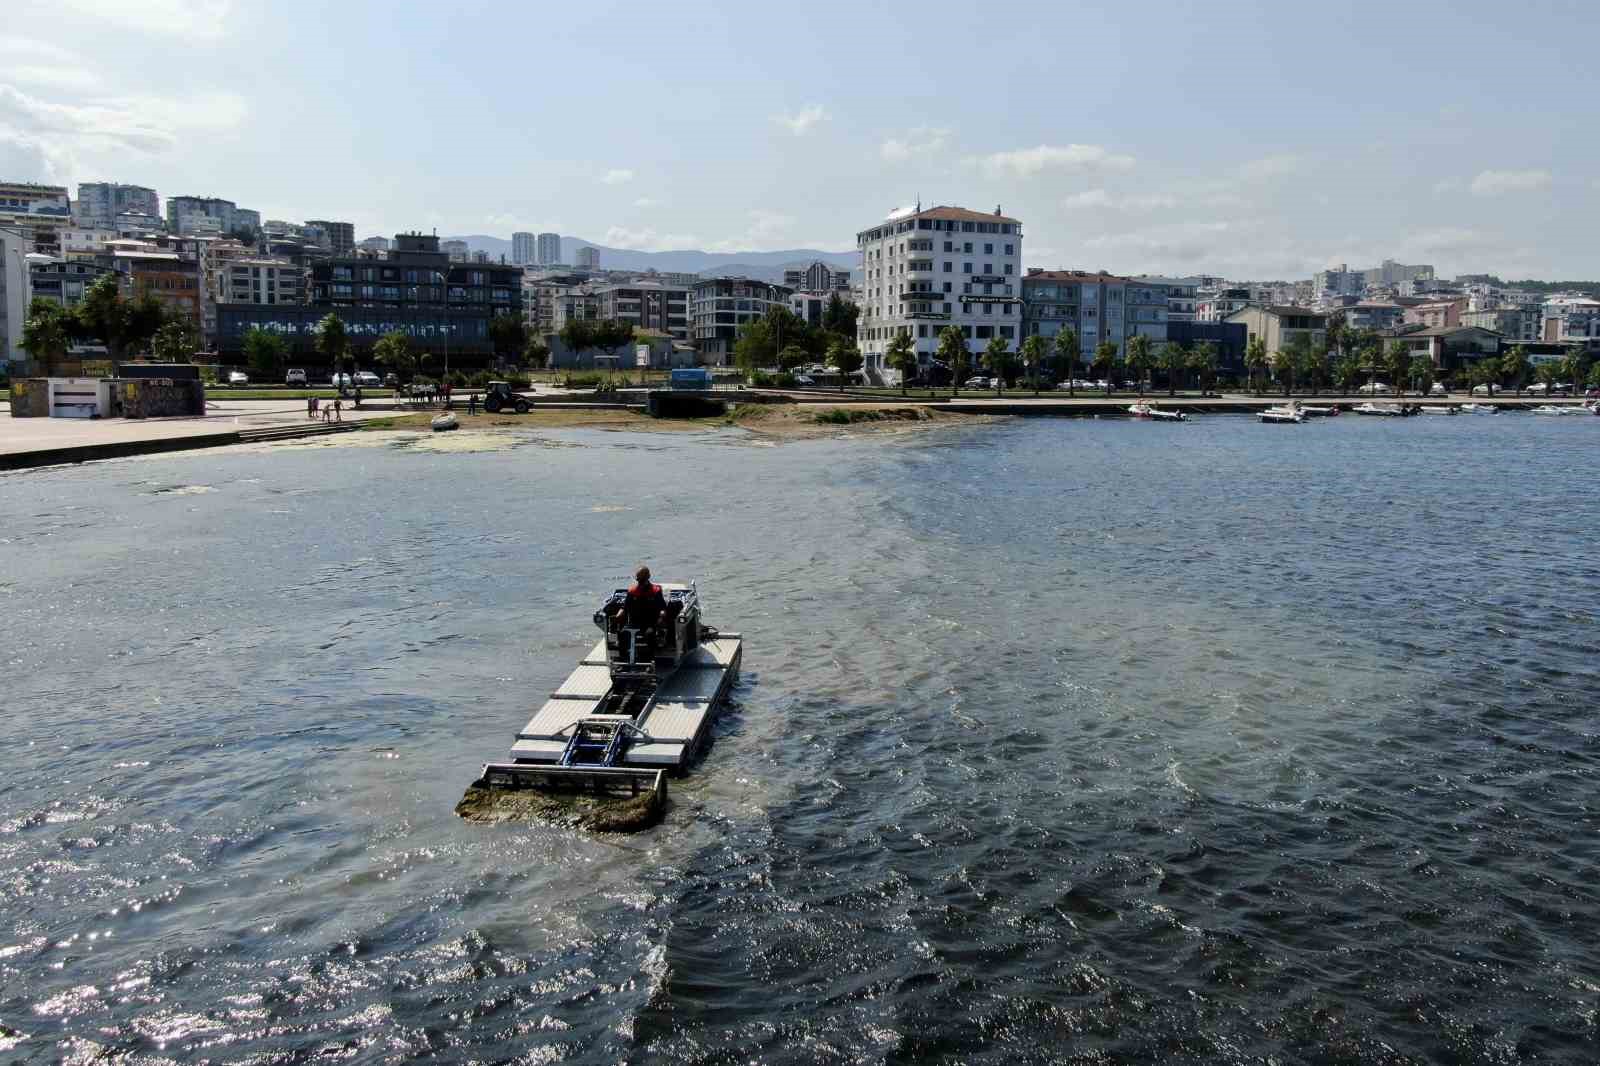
x: 765, y: 266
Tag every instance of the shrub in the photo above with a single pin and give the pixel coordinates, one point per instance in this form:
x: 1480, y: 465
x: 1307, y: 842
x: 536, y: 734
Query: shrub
x: 763, y: 380
x: 584, y: 381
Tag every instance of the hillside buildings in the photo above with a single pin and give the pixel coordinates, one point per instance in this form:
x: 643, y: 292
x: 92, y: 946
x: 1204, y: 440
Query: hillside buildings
x: 720, y: 306
x: 588, y: 258
x: 648, y: 306
x: 341, y: 235
x: 209, y: 216
x: 100, y: 202
x: 925, y: 270
x: 547, y: 251
x: 456, y: 251
x: 1098, y: 307
x: 373, y: 244
x: 1279, y: 327
x: 818, y: 277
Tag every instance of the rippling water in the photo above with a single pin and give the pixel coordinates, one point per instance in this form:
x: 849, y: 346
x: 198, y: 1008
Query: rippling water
x: 1057, y: 741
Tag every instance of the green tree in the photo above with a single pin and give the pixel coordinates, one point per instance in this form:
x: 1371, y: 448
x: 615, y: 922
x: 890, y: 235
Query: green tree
x: 1347, y: 372
x: 844, y: 357
x: 1106, y: 361
x: 535, y: 352
x: 1485, y: 372
x: 792, y: 356
x: 1174, y: 360
x: 1291, y: 359
x: 1593, y: 380
x: 46, y: 334
x: 508, y: 335
x: 901, y: 356
x: 611, y: 335
x: 265, y: 353
x: 1575, y: 367
x: 1514, y: 365
x: 1337, y: 336
x: 1316, y: 368
x: 394, y: 351
x: 1397, y: 360
x: 1067, y: 355
x: 103, y: 314
x: 1141, y: 358
x: 1203, y: 361
x: 333, y: 341
x: 577, y: 335
x: 145, y: 316
x: 1547, y: 374
x: 839, y: 316
x: 1420, y: 372
x: 176, y: 340
x: 997, y: 360
x: 953, y: 353
x: 1035, y: 351
x: 1255, y: 361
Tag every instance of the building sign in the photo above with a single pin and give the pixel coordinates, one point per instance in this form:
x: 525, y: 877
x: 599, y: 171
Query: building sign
x: 641, y: 355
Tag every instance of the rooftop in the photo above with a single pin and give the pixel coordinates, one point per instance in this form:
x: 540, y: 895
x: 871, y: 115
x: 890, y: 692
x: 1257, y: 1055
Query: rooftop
x: 959, y: 214
x: 1093, y: 278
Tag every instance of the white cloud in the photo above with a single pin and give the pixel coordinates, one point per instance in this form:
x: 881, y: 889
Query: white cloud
x: 1495, y: 182
x: 801, y: 122
x: 648, y: 239
x: 924, y: 140
x: 1183, y: 242
x: 1448, y: 185
x: 645, y: 201
x: 766, y: 230
x: 1270, y: 167
x: 1027, y: 162
x: 193, y: 19
x: 617, y: 176
x: 1134, y: 202
x: 54, y: 77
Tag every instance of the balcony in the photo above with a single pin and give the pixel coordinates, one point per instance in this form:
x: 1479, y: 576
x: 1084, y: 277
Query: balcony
x: 927, y: 316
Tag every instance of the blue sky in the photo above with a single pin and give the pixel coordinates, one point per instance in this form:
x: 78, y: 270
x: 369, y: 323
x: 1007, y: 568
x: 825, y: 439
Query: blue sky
x: 1249, y: 140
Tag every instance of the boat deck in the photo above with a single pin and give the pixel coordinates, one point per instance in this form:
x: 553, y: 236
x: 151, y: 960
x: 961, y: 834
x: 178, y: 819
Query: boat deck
x: 676, y: 722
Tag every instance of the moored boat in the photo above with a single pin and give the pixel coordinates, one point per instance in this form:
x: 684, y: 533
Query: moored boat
x: 1287, y: 413
x: 1145, y: 409
x: 1477, y: 409
x: 1320, y: 412
x: 445, y: 422
x: 1438, y: 409
x: 1380, y: 410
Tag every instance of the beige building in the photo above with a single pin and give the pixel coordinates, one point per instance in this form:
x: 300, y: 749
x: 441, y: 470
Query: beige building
x: 1278, y: 326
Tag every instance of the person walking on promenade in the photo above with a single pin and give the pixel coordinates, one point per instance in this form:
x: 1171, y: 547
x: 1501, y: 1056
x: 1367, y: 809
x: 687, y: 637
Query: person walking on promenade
x: 472, y: 404
x: 338, y: 410
x: 311, y: 408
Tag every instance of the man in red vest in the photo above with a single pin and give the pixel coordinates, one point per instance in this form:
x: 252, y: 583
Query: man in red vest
x: 645, y: 606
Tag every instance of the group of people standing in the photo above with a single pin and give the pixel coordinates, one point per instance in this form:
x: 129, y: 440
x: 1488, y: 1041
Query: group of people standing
x: 333, y: 412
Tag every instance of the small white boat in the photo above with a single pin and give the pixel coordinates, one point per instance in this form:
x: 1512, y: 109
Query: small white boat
x: 1319, y: 412
x: 1142, y: 409
x: 1477, y: 409
x: 1291, y: 413
x: 445, y: 422
x: 1585, y: 409
x: 1381, y: 410
x: 1438, y: 409
x: 1549, y: 409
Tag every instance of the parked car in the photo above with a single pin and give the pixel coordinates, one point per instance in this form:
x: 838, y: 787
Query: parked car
x: 1485, y: 390
x: 238, y: 377
x: 391, y: 380
x: 340, y: 381
x: 294, y: 377
x: 1375, y: 388
x: 977, y: 383
x: 1561, y: 388
x: 1438, y: 389
x: 804, y: 379
x: 1538, y: 388
x: 367, y: 379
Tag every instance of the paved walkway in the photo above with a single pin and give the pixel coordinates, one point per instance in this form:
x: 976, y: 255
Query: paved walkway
x: 222, y: 416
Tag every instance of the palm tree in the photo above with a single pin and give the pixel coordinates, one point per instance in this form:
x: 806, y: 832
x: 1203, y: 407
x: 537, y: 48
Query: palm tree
x: 997, y: 358
x: 1174, y: 359
x: 1420, y: 372
x: 953, y: 353
x: 1203, y: 361
x: 1337, y: 336
x: 1289, y: 362
x: 1034, y: 352
x: 1514, y: 365
x: 901, y: 356
x: 1396, y: 362
x: 1105, y: 362
x: 1140, y: 358
x: 1067, y: 356
x: 1255, y: 361
x: 1346, y: 372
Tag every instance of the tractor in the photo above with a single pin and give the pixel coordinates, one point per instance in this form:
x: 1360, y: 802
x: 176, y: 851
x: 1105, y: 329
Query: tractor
x: 499, y: 396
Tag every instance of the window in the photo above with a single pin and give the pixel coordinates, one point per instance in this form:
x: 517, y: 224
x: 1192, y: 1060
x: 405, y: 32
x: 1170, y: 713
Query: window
x: 1005, y: 331
x: 988, y: 309
x: 1010, y: 269
x: 1010, y: 250
x: 988, y: 288
x: 1005, y: 309
x: 949, y: 246
x: 947, y: 286
x: 988, y: 249
x: 967, y: 247
x: 985, y: 332
x: 966, y: 268
x: 947, y: 309
x: 947, y: 266
x: 988, y: 268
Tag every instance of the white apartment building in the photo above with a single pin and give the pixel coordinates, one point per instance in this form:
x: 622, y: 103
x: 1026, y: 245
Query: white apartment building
x: 253, y: 280
x: 924, y: 270
x: 1183, y: 295
x: 524, y: 249
x: 1571, y: 318
x: 547, y: 249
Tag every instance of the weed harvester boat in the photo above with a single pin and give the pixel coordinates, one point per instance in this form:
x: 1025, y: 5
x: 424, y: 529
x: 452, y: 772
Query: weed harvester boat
x: 638, y: 707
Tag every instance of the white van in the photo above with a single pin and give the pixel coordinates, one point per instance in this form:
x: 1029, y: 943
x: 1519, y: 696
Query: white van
x: 294, y: 377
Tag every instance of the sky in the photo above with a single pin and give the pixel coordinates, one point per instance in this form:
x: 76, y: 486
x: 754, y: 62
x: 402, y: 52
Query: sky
x: 1255, y: 141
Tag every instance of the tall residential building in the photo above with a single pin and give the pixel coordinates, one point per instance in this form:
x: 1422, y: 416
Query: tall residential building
x: 341, y: 236
x: 548, y: 249
x: 928, y: 269
x: 443, y: 306
x: 456, y: 250
x: 524, y: 249
x: 186, y: 215
x: 1182, y: 295
x: 1394, y: 274
x: 818, y: 277
x: 1340, y: 282
x: 589, y: 258
x: 647, y: 305
x: 14, y: 296
x: 37, y: 213
x: 100, y: 202
x: 1098, y: 307
x: 721, y: 306
x: 1278, y: 326
x: 374, y: 244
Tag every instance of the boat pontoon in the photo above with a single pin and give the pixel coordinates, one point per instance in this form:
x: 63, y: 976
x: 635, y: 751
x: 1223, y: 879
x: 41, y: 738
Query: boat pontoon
x: 639, y: 706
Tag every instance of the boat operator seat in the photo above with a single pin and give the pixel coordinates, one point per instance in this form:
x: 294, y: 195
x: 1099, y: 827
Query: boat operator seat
x: 639, y: 654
